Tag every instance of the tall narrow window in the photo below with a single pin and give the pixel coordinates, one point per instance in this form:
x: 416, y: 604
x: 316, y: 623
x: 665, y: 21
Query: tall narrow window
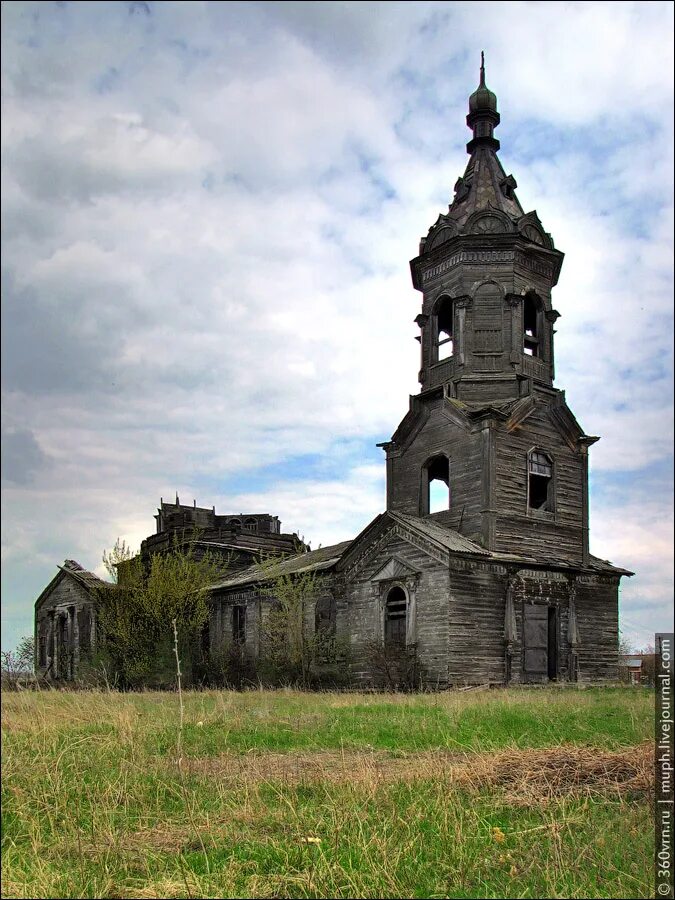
x: 540, y: 481
x: 395, y: 616
x: 239, y: 624
x: 531, y: 316
x: 444, y: 318
x: 205, y: 639
x: 436, y: 485
x: 324, y: 616
x: 42, y: 647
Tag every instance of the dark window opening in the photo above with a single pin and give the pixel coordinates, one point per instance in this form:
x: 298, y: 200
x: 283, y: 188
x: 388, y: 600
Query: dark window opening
x: 540, y: 481
x: 531, y: 326
x: 250, y: 525
x: 84, y: 629
x: 438, y: 484
x: 552, y: 643
x: 205, y: 639
x: 42, y: 651
x: 235, y: 522
x: 395, y: 616
x: 445, y: 329
x: 239, y: 624
x: 324, y: 616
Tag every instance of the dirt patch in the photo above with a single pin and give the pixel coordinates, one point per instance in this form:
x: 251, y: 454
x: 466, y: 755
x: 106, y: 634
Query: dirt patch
x: 525, y: 777
x: 551, y: 771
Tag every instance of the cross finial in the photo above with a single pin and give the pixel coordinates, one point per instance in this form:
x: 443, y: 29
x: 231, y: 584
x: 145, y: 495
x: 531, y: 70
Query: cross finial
x: 482, y: 68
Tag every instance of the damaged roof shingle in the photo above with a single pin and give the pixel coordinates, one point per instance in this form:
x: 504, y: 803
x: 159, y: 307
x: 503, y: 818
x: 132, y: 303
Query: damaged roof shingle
x: 315, y: 560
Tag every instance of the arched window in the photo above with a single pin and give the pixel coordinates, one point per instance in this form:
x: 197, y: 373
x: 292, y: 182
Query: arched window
x: 435, y: 485
x: 540, y: 481
x: 445, y: 333
x: 250, y: 525
x: 532, y: 325
x: 235, y: 522
x: 395, y: 616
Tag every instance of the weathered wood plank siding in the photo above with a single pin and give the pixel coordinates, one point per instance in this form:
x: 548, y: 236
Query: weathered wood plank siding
x: 556, y: 535
x: 463, y: 448
x: 598, y: 621
x: 363, y: 599
x: 476, y: 627
x: 75, y: 639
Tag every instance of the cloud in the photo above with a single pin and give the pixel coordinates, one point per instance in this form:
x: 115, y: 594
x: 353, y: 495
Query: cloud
x: 208, y: 213
x: 22, y: 457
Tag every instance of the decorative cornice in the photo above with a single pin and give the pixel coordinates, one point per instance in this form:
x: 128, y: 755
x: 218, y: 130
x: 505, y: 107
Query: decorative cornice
x: 474, y: 257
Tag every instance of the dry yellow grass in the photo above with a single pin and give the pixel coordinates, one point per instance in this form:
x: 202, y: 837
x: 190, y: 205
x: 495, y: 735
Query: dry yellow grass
x: 283, y: 794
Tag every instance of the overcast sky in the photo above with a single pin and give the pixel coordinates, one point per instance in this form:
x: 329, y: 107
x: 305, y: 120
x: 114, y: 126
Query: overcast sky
x: 208, y: 213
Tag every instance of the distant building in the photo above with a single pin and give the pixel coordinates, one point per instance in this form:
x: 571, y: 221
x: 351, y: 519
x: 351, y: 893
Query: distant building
x: 631, y: 664
x: 480, y: 562
x: 65, y: 621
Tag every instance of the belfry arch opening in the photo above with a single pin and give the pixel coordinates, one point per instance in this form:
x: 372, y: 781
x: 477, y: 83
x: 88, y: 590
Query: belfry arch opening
x: 444, y: 329
x: 532, y: 314
x: 435, y: 485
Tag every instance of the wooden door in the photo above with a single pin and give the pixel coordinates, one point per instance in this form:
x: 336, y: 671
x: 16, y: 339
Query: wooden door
x: 535, y: 642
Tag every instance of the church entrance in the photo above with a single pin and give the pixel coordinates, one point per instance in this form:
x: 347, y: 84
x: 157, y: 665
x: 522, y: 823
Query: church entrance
x: 540, y: 642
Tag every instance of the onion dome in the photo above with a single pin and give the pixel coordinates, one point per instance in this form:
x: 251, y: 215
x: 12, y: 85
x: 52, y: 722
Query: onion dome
x: 483, y: 117
x: 482, y: 98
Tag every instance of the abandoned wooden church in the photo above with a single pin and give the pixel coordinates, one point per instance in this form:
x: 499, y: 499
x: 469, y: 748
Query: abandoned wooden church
x: 481, y: 560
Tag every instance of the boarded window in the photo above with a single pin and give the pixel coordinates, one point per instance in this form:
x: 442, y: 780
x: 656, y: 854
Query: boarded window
x: 239, y: 624
x: 395, y: 616
x: 540, y: 481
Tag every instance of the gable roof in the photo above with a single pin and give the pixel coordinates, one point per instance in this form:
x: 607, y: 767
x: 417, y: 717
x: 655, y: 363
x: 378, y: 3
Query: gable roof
x: 445, y: 537
x: 72, y: 568
x: 88, y: 579
x: 316, y: 560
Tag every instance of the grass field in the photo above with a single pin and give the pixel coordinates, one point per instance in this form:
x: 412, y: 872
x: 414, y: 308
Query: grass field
x: 509, y: 793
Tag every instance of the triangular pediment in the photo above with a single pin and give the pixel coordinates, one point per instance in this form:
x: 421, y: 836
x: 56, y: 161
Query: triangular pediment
x: 71, y: 570
x: 435, y: 540
x: 394, y: 568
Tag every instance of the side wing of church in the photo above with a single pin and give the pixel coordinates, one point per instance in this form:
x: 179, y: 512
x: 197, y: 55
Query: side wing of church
x: 480, y: 564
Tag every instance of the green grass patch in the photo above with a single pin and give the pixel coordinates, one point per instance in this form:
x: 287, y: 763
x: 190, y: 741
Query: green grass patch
x: 94, y: 804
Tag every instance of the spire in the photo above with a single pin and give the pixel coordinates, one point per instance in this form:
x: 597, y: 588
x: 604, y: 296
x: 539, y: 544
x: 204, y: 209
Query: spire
x: 483, y: 117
